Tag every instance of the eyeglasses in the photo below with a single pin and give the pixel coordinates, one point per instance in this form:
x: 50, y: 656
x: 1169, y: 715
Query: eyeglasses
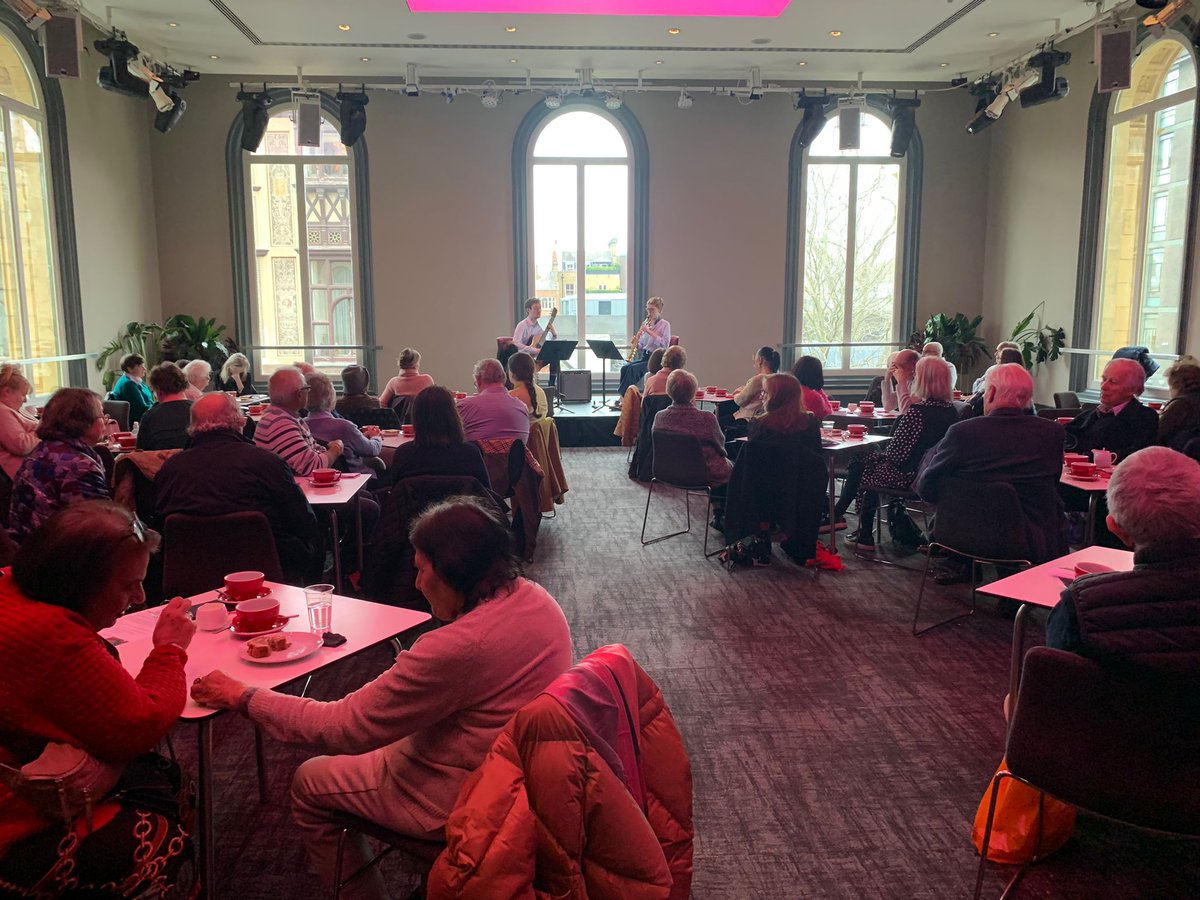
x: 138, y: 532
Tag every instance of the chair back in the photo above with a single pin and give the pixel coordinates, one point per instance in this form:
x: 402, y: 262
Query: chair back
x: 641, y: 466
x: 1066, y: 400
x: 401, y: 405
x: 199, y: 551
x: 118, y: 411
x: 781, y: 482
x: 982, y: 519
x: 384, y: 418
x: 679, y: 459
x: 674, y: 340
x: 1139, y: 733
x: 544, y: 447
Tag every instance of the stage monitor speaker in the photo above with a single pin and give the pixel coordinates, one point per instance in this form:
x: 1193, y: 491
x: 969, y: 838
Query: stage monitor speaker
x: 62, y: 44
x: 308, y: 120
x: 575, y: 386
x: 1114, y: 56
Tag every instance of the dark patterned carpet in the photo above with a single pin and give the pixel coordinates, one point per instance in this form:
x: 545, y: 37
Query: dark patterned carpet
x: 834, y: 755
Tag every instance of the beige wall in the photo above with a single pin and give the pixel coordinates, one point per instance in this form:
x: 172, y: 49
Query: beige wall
x: 109, y: 138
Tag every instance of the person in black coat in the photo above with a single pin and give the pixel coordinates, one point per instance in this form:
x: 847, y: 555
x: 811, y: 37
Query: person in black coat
x: 1120, y: 423
x: 1008, y: 446
x: 438, y: 446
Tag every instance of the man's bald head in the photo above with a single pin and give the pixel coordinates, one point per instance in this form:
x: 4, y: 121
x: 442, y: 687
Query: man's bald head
x: 216, y: 412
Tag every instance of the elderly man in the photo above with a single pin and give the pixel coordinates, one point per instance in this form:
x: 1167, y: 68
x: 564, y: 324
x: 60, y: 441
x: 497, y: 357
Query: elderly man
x: 283, y: 432
x: 935, y: 349
x: 1004, y: 445
x: 1120, y: 423
x: 1148, y: 616
x: 897, y: 381
x: 493, y: 414
x: 221, y: 472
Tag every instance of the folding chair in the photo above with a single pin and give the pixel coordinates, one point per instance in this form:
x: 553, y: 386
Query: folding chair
x: 679, y: 463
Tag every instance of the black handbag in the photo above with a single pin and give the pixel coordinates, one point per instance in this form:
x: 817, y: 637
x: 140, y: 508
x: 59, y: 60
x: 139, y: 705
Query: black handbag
x: 903, y: 529
x: 154, y: 783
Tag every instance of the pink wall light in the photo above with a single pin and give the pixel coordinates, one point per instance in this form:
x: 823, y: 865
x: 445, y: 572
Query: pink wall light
x: 726, y: 8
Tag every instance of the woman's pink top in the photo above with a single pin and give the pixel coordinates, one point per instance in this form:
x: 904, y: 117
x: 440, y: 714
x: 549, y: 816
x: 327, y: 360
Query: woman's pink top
x: 816, y: 402
x: 408, y: 383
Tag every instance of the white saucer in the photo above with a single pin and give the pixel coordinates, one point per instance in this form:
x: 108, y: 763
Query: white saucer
x: 304, y: 643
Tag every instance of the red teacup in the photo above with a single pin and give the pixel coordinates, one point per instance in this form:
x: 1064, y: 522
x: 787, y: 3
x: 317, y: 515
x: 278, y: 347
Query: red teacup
x: 1083, y: 469
x: 866, y: 408
x: 835, y: 405
x: 1154, y: 404
x: 324, y: 476
x: 459, y: 395
x: 243, y: 585
x: 856, y: 430
x: 957, y: 395
x: 406, y: 430
x: 1090, y: 568
x: 257, y: 410
x: 256, y: 614
x: 126, y: 440
x: 1069, y: 458
x: 1064, y: 420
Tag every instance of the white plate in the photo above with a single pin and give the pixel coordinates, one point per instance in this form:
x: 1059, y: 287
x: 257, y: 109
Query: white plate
x: 304, y: 643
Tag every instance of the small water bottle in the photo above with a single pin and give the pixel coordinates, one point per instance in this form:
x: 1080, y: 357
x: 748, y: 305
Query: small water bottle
x: 134, y: 429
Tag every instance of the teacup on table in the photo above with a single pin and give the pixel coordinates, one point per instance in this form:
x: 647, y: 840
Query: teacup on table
x: 126, y: 440
x: 243, y: 585
x: 1064, y: 420
x: 1069, y: 458
x: 856, y: 431
x: 866, y: 409
x: 1090, y: 568
x: 459, y: 395
x: 257, y: 614
x: 1154, y: 404
x: 406, y: 430
x: 835, y: 405
x: 256, y: 409
x: 325, y: 476
x: 1083, y: 469
x: 957, y: 395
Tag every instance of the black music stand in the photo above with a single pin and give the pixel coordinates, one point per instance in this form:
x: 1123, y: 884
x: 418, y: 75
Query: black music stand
x: 553, y: 353
x: 604, y: 350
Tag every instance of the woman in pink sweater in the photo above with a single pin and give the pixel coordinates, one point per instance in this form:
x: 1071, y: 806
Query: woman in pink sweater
x: 402, y: 745
x: 409, y: 382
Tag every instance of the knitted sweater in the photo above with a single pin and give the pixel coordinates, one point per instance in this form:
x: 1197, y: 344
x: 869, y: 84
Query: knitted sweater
x: 287, y: 436
x: 61, y: 682
x: 442, y: 703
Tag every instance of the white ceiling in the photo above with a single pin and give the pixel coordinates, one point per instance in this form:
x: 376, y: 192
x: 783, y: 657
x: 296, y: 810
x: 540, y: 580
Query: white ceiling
x: 887, y: 40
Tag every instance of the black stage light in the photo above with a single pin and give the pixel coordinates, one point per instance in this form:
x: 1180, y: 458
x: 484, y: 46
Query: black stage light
x: 165, y: 120
x: 904, y: 123
x: 353, y: 114
x: 986, y: 90
x: 254, y: 117
x: 116, y: 75
x: 1049, y: 87
x: 814, y: 119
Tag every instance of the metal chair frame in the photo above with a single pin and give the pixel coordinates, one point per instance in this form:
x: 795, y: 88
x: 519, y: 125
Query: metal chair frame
x: 688, y: 490
x: 975, y: 561
x: 918, y: 507
x: 414, y: 850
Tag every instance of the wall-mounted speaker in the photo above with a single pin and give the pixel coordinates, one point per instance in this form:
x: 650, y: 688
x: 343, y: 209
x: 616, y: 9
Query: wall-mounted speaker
x: 308, y: 120
x: 62, y: 43
x: 849, y: 126
x: 1114, y: 59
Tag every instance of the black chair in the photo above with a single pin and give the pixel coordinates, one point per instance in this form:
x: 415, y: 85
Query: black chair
x: 1066, y: 400
x: 679, y: 463
x: 383, y: 418
x: 6, y: 489
x: 419, y: 856
x: 118, y: 411
x: 401, y: 405
x: 778, y: 482
x: 199, y: 551
x: 980, y: 520
x: 641, y: 467
x: 912, y: 503
x: 1114, y: 741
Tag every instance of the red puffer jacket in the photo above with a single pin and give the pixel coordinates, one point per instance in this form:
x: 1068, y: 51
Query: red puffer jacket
x: 545, y: 817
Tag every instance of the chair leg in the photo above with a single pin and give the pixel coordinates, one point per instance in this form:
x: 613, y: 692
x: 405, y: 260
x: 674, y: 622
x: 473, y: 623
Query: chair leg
x: 987, y: 832
x: 920, y: 594
x: 646, y: 514
x: 708, y: 524
x: 337, y: 864
x: 260, y: 760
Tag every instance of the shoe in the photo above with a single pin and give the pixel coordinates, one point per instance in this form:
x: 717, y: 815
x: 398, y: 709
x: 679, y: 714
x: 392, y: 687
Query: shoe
x: 860, y: 539
x: 950, y: 576
x: 718, y: 523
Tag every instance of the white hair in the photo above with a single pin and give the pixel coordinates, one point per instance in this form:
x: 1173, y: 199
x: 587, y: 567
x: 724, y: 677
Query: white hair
x: 932, y: 348
x: 198, y: 373
x: 1154, y: 495
x: 681, y: 386
x: 489, y: 371
x: 284, y: 382
x: 1132, y: 373
x: 216, y: 412
x: 321, y: 395
x: 932, y: 379
x: 1013, y: 386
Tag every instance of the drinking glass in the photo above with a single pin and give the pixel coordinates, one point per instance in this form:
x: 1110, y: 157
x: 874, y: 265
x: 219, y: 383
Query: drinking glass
x: 319, y: 598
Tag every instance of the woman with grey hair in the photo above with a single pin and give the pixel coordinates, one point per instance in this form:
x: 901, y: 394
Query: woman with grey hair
x: 682, y: 417
x: 360, y: 448
x: 199, y: 377
x: 1179, y: 422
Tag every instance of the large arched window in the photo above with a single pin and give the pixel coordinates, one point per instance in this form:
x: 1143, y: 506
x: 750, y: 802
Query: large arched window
x: 301, y: 269
x: 1143, y: 240
x: 578, y: 222
x: 849, y: 247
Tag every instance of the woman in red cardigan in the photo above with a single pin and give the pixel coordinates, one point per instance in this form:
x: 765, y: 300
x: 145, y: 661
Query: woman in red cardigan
x: 62, y: 683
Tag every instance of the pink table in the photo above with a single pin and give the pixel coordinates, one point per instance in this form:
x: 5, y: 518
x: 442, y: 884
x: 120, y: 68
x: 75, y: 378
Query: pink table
x: 843, y: 417
x: 833, y: 448
x: 1095, y: 487
x: 338, y: 494
x: 362, y: 623
x: 703, y: 396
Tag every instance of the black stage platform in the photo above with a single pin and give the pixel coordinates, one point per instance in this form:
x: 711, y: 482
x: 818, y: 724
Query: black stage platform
x: 581, y: 426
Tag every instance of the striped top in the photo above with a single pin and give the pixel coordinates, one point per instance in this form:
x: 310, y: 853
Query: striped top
x: 288, y: 437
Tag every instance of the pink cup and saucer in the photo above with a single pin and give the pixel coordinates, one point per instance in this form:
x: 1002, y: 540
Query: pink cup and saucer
x: 858, y: 432
x: 325, y: 477
x: 866, y: 409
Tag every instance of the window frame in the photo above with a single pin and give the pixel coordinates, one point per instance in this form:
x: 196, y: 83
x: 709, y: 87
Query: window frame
x: 237, y: 163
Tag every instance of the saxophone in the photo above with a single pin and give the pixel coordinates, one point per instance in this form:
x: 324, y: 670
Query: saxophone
x: 633, y: 343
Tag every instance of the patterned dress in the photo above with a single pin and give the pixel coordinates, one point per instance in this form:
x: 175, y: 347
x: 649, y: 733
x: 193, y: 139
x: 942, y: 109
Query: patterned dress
x: 55, y: 474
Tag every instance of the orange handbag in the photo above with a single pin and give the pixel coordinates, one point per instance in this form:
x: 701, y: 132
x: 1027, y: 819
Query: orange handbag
x: 1014, y: 837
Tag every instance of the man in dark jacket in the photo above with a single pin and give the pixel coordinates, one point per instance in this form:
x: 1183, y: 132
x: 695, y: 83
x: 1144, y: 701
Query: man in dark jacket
x: 1004, y: 445
x: 1151, y: 615
x: 1120, y: 423
x: 221, y: 472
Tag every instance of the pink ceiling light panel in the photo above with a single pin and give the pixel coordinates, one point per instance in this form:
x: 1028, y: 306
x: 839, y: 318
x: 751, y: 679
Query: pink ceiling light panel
x: 725, y: 8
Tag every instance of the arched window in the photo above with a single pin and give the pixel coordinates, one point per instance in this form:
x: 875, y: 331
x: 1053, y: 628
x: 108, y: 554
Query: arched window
x: 31, y: 325
x: 846, y: 270
x: 303, y: 283
x: 581, y: 210
x: 1143, y: 234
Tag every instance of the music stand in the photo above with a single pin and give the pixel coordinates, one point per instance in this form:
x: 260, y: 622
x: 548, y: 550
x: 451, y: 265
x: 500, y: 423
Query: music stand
x: 553, y: 353
x: 604, y: 350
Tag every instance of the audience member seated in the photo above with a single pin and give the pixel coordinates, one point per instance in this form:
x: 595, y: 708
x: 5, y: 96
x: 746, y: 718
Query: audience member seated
x: 1120, y: 423
x: 521, y: 373
x: 221, y: 472
x: 492, y: 414
x: 1004, y: 445
x: 131, y: 388
x: 897, y: 381
x: 398, y: 749
x: 64, y: 685
x: 284, y: 433
x: 811, y: 375
x: 1177, y: 426
x: 165, y: 424
x: 439, y: 446
x: 673, y: 358
x: 653, y: 366
x: 356, y: 381
x: 751, y: 396
x: 1147, y: 617
x: 360, y: 447
x: 64, y: 468
x: 783, y: 417
x: 975, y: 404
x: 935, y: 349
x: 18, y: 431
x: 306, y: 368
x: 235, y: 375
x: 981, y: 382
x: 199, y: 377
x: 682, y: 417
x: 929, y: 416
x: 409, y: 382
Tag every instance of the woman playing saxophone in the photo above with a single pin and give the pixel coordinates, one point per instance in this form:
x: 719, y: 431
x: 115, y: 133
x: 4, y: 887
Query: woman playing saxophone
x: 654, y: 333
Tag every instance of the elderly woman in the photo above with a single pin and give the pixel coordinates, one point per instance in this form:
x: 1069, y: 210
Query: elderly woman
x: 64, y: 468
x: 235, y: 375
x: 165, y: 424
x: 199, y: 378
x: 1180, y: 419
x: 356, y: 381
x: 673, y: 358
x: 64, y: 684
x: 682, y: 417
x: 131, y: 388
x: 409, y: 382
x: 928, y: 417
x: 360, y: 448
x: 401, y: 746
x: 520, y: 372
x: 784, y: 417
x: 811, y: 375
x: 438, y: 446
x: 18, y: 431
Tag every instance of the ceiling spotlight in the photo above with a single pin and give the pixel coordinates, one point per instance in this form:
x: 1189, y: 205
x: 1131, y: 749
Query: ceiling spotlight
x: 510, y: 28
x: 364, y: 59
x: 943, y: 65
x: 553, y: 101
x: 513, y: 59
x: 343, y: 28
x: 166, y: 119
x: 658, y: 62
x: 685, y: 100
x: 490, y: 99
x: 613, y: 101
x: 116, y: 76
x: 802, y: 63
x: 672, y: 31
x: 254, y: 117
x: 172, y: 24
x: 213, y: 56
x: 904, y: 123
x: 353, y: 115
x: 1049, y: 85
x: 835, y: 34
x: 814, y: 118
x: 985, y: 91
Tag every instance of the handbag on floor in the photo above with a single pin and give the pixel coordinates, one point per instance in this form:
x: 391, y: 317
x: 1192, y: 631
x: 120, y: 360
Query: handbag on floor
x: 901, y: 526
x: 1014, y: 837
x: 754, y: 550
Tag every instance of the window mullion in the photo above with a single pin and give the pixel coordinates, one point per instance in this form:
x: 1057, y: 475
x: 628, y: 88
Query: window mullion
x: 302, y: 248
x: 851, y: 229
x: 1139, y: 260
x: 580, y: 259
x: 14, y: 213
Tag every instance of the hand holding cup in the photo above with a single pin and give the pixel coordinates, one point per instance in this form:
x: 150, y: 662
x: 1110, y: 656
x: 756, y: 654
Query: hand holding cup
x: 174, y: 626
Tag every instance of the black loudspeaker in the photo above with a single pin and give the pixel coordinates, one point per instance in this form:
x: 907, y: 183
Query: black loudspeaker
x: 1114, y: 59
x: 575, y: 386
x: 62, y: 43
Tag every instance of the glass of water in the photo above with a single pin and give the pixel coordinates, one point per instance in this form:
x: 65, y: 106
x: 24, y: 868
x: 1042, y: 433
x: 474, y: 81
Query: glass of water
x: 319, y: 598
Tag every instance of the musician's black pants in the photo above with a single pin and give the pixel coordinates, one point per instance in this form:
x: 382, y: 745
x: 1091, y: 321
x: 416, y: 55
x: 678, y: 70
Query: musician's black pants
x: 631, y: 373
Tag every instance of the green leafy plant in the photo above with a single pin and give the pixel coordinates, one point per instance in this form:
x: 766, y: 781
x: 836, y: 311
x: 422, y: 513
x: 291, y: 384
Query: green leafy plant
x: 1039, y: 343
x: 960, y: 340
x: 142, y: 338
x: 186, y: 338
